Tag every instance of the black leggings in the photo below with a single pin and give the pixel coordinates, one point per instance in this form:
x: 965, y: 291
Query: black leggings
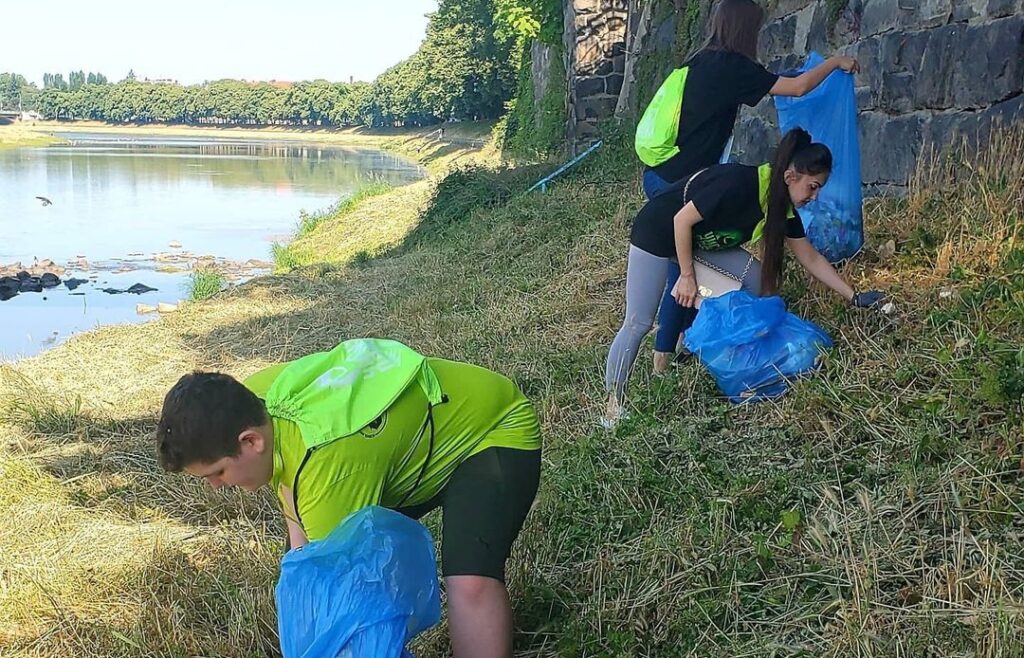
x: 485, y: 503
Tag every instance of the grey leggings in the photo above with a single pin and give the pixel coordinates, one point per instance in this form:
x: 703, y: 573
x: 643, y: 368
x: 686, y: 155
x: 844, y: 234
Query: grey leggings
x: 645, y: 283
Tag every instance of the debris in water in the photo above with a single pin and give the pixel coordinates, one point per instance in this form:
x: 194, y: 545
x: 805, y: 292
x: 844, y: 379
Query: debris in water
x: 136, y: 289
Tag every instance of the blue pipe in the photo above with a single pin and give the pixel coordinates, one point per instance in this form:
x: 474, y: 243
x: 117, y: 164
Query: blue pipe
x: 543, y: 183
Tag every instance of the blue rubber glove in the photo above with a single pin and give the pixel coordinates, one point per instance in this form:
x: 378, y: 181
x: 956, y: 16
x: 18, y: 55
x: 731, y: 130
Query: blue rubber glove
x: 868, y: 299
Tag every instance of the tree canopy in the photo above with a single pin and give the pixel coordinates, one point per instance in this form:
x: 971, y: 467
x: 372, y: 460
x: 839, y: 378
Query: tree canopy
x: 465, y: 69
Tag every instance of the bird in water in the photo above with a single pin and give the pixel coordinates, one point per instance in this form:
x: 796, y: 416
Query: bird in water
x: 46, y: 202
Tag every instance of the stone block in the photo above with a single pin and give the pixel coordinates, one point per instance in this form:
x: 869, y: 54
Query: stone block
x: 595, y: 108
x: 778, y: 38
x: 1003, y: 8
x: 898, y: 92
x: 847, y: 29
x: 542, y: 58
x: 755, y: 140
x: 802, y: 28
x: 879, y: 16
x: 870, y: 76
x: 613, y: 84
x: 969, y: 10
x: 665, y: 35
x: 589, y: 86
x: 951, y: 128
x: 865, y: 100
x: 1007, y: 112
x: 588, y: 7
x: 971, y: 66
x: 889, y: 146
x: 931, y: 13
x: 785, y: 64
x: 607, y: 66
x: 945, y: 129
x: 817, y: 32
x: 916, y: 70
x: 781, y: 8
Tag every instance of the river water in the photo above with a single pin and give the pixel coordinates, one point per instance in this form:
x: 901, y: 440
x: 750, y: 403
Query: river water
x: 125, y: 210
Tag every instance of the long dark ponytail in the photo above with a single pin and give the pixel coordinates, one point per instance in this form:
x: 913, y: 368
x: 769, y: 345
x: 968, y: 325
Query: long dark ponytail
x: 796, y: 150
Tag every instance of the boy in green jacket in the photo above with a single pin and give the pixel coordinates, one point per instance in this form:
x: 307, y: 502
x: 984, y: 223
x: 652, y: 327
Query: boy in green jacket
x: 374, y: 423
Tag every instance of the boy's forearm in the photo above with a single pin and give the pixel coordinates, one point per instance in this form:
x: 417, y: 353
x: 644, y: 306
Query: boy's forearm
x: 296, y: 535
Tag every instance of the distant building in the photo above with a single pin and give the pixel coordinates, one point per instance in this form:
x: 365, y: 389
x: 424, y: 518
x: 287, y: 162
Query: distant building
x: 31, y: 115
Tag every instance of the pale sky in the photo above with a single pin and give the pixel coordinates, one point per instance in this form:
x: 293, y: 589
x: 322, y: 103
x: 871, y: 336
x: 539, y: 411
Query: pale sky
x: 195, y: 40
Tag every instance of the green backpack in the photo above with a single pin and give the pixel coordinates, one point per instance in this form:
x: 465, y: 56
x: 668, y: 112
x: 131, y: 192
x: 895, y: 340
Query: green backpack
x: 330, y: 395
x: 658, y: 129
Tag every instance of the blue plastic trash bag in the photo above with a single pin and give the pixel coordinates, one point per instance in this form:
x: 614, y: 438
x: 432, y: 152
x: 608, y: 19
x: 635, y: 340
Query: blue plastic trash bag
x: 364, y: 591
x: 834, y: 222
x: 752, y: 346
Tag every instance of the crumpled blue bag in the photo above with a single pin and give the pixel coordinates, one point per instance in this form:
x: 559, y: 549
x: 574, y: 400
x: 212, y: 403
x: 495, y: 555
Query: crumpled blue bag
x: 364, y: 591
x: 834, y: 222
x: 752, y: 346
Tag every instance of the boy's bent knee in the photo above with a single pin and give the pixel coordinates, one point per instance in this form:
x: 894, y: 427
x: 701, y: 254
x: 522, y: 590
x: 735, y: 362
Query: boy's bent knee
x: 473, y: 590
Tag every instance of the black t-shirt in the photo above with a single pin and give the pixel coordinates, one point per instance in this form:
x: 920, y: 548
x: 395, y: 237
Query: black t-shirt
x: 717, y: 83
x: 728, y: 198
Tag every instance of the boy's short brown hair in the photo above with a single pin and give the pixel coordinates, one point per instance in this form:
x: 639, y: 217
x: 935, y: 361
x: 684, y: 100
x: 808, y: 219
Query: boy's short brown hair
x: 202, y: 416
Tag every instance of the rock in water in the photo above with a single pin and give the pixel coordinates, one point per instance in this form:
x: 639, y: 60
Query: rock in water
x: 49, y: 280
x: 73, y: 283
x: 9, y: 287
x: 31, y: 284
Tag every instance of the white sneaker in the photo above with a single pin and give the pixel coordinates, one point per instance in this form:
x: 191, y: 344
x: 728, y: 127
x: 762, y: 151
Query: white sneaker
x: 612, y: 416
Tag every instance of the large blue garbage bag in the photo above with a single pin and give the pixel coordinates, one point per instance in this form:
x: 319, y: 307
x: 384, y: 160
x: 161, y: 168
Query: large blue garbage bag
x: 834, y: 222
x: 752, y: 346
x: 364, y: 591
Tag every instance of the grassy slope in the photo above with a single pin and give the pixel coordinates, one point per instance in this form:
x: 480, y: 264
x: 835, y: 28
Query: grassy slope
x: 875, y: 511
x: 17, y: 135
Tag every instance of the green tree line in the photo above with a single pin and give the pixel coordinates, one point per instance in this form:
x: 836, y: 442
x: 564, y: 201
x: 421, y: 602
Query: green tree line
x: 467, y: 68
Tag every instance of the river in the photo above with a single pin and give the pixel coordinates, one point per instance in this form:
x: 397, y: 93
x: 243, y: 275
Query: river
x: 118, y: 210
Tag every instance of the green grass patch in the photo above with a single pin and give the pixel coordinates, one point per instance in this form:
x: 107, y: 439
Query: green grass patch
x: 284, y: 258
x: 205, y: 283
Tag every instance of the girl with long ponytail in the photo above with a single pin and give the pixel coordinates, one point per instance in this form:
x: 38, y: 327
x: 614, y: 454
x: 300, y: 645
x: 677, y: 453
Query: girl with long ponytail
x: 720, y: 209
x: 796, y: 154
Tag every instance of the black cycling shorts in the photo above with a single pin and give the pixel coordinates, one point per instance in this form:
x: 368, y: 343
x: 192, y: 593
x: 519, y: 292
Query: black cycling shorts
x: 484, y: 505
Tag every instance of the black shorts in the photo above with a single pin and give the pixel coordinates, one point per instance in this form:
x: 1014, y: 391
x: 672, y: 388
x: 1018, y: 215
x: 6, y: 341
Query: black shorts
x: 484, y: 506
